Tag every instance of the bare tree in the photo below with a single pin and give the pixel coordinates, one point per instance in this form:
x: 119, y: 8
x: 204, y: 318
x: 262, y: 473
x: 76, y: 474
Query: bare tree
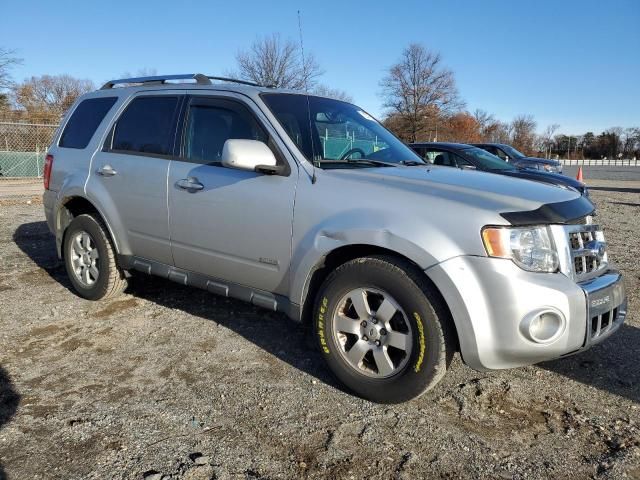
x: 276, y: 62
x: 417, y: 87
x: 547, y: 138
x: 50, y: 93
x: 338, y: 94
x: 8, y: 60
x: 523, y: 133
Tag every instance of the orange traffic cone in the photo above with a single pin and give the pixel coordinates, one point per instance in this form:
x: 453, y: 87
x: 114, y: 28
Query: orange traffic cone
x: 579, y: 177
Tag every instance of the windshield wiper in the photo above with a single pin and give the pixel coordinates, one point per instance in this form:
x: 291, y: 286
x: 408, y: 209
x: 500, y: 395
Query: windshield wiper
x: 360, y: 161
x: 413, y: 163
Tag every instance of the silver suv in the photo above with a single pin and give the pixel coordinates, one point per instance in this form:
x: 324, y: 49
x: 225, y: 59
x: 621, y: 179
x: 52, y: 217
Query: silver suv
x: 309, y: 206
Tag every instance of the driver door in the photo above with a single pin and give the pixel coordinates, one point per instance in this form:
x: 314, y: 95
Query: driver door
x: 237, y: 225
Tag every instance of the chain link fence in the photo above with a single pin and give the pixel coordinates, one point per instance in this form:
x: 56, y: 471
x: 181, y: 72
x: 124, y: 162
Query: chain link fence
x: 23, y: 147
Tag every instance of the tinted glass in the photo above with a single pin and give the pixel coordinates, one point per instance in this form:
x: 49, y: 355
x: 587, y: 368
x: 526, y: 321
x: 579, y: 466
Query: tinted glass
x: 336, y: 134
x: 209, y: 126
x: 438, y: 157
x: 84, y: 121
x: 486, y: 161
x: 147, y: 126
x: 512, y: 152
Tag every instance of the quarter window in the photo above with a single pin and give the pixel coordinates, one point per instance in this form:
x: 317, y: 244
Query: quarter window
x: 211, y: 123
x: 84, y: 121
x: 147, y: 126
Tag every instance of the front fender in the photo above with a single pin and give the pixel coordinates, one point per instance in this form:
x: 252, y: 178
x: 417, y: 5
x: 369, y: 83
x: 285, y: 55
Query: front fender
x: 314, y: 248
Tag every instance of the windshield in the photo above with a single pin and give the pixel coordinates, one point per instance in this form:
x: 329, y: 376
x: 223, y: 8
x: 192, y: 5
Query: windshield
x: 512, y: 152
x: 485, y: 160
x: 335, y: 134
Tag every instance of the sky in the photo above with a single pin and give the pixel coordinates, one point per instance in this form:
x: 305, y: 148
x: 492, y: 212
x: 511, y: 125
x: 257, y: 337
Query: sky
x: 574, y: 63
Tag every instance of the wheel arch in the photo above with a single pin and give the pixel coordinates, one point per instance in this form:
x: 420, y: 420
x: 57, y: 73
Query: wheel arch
x: 71, y: 207
x: 346, y: 253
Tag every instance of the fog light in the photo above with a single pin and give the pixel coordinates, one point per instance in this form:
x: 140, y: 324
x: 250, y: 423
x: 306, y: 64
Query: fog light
x: 543, y: 326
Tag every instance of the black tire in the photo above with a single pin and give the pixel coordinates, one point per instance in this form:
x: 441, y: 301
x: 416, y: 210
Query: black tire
x: 110, y: 281
x: 432, y: 339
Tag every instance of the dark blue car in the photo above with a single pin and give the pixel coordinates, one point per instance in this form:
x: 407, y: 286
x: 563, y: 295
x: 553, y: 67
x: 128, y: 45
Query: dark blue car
x: 468, y: 156
x: 519, y: 159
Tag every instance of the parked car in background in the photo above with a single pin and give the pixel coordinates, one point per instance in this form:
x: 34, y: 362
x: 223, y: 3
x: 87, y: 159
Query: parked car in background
x: 467, y: 156
x: 519, y: 159
x: 232, y: 188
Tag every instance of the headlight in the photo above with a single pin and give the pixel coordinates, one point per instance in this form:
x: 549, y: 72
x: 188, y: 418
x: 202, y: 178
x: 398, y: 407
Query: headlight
x: 531, y: 248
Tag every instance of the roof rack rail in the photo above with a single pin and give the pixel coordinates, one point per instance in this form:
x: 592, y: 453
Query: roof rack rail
x: 161, y: 79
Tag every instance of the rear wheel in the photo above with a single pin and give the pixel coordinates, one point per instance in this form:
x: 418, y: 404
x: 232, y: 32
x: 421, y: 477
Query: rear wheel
x: 381, y: 328
x: 90, y: 259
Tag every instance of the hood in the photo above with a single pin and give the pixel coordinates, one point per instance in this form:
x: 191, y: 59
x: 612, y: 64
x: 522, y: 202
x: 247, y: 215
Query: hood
x: 546, y: 161
x: 472, y: 188
x: 547, y: 177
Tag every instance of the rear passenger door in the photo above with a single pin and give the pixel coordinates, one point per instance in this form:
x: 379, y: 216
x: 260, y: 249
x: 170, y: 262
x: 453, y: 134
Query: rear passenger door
x: 129, y: 174
x: 237, y: 226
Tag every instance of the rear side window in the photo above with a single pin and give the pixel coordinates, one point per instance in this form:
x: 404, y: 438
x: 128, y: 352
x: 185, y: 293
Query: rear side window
x: 84, y: 121
x: 147, y: 126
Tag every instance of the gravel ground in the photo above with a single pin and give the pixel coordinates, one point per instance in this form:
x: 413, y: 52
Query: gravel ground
x: 170, y: 382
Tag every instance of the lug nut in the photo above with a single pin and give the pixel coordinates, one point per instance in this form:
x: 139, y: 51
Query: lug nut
x: 364, y: 324
x: 365, y: 338
x: 383, y: 331
x: 377, y: 343
x: 374, y: 321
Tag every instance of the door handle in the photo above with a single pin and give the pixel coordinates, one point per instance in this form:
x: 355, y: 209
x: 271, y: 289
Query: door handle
x: 106, y: 171
x: 190, y: 183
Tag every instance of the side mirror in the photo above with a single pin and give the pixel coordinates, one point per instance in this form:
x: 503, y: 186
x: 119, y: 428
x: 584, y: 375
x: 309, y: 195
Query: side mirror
x: 251, y: 155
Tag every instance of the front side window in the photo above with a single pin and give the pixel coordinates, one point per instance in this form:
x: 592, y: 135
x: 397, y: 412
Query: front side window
x: 335, y: 134
x: 485, y: 160
x: 148, y: 125
x: 512, y: 152
x: 210, y: 123
x: 499, y: 153
x: 84, y: 121
x: 439, y: 157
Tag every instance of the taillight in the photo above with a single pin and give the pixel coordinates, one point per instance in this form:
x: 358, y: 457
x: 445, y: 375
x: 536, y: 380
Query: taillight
x: 48, y: 164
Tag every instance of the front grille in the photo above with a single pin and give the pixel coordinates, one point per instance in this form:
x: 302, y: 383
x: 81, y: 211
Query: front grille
x: 588, y: 250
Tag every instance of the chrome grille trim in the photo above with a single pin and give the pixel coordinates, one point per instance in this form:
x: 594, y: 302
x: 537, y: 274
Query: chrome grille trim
x: 584, y: 244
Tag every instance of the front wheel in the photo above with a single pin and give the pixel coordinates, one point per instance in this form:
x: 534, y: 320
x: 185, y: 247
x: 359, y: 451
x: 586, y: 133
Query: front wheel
x: 380, y: 327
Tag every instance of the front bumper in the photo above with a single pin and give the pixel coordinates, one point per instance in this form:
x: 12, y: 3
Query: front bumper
x: 491, y: 299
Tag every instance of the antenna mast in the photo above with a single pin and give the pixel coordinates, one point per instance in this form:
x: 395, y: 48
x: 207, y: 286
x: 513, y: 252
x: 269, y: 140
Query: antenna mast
x: 306, y: 88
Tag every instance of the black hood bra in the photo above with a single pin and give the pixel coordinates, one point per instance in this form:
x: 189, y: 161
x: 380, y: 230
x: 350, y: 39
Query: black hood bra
x: 560, y: 212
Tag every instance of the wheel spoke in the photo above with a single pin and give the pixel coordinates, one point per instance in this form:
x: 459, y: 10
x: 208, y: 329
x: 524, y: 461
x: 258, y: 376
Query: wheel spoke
x: 357, y: 352
x: 76, y: 263
x: 386, y: 311
x: 347, y: 325
x: 86, y: 241
x: 94, y: 273
x: 77, y: 246
x: 383, y: 362
x: 398, y: 340
x: 360, y: 303
x: 93, y: 254
x: 84, y: 273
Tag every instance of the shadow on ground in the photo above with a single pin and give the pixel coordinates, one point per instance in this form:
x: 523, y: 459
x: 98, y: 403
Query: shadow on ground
x: 9, y: 401
x: 611, y: 366
x: 273, y: 332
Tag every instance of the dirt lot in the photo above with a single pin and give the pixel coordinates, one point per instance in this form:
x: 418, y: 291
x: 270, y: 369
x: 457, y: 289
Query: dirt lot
x: 169, y: 382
